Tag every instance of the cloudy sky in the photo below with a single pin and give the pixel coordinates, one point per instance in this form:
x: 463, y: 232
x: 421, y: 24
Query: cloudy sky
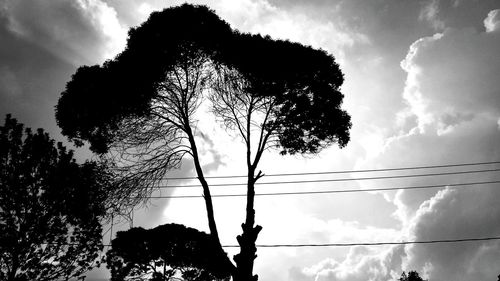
x: 422, y: 87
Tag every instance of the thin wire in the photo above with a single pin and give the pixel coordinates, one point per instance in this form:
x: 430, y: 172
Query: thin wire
x: 455, y: 185
x: 342, y: 172
x: 106, y: 232
x: 362, y: 243
x: 336, y: 180
x: 371, y: 244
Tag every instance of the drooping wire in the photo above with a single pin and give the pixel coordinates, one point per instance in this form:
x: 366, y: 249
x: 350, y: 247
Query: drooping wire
x: 337, y: 180
x: 453, y: 185
x: 343, y: 172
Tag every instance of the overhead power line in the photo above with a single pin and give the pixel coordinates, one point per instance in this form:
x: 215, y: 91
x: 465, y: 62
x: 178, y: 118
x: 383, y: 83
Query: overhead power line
x: 462, y: 240
x: 454, y: 185
x: 371, y: 244
x: 337, y: 180
x: 343, y: 172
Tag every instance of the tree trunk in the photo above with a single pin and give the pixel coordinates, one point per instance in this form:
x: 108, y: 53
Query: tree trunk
x: 245, y: 259
x: 207, y: 196
x: 206, y: 191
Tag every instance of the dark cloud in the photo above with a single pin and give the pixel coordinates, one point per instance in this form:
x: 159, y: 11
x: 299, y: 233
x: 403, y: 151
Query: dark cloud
x: 80, y: 32
x: 43, y: 42
x: 31, y: 79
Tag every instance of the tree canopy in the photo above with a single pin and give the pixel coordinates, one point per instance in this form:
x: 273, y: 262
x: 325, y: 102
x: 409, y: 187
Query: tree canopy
x: 50, y: 207
x: 166, y: 252
x: 140, y: 108
x: 304, y: 81
x: 411, y: 276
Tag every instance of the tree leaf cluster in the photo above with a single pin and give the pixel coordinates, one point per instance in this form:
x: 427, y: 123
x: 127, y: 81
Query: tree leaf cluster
x: 303, y: 82
x: 411, y: 276
x: 166, y: 252
x: 50, y: 207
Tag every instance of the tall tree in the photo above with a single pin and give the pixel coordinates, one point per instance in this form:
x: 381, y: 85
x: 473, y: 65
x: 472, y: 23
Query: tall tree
x: 50, y: 207
x: 274, y: 101
x: 166, y: 252
x: 140, y: 108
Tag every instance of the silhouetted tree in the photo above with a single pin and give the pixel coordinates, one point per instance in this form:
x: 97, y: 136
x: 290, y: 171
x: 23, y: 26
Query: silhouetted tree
x: 50, y: 207
x: 274, y: 101
x: 166, y: 252
x: 412, y: 276
x: 140, y: 108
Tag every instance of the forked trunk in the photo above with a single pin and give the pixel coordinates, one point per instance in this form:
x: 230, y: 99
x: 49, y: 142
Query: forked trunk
x: 245, y: 259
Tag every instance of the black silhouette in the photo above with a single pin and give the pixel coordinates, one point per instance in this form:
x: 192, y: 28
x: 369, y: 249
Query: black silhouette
x: 273, y: 101
x: 166, y: 252
x: 140, y: 107
x: 50, y: 207
x: 412, y: 276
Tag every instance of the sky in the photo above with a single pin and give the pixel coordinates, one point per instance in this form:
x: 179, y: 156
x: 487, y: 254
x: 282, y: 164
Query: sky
x: 421, y: 85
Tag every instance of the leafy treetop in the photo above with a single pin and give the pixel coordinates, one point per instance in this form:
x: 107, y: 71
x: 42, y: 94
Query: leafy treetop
x: 303, y: 82
x: 165, y: 252
x: 411, y: 276
x: 50, y: 207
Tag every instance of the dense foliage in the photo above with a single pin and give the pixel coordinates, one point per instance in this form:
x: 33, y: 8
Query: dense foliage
x: 167, y: 252
x: 50, y: 207
x: 411, y: 276
x: 305, y: 82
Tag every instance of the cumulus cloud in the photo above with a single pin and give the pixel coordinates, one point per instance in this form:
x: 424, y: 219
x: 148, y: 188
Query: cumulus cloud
x: 452, y: 75
x: 492, y: 22
x: 453, y: 105
x: 361, y: 264
x: 452, y: 113
x: 262, y: 17
x: 455, y: 214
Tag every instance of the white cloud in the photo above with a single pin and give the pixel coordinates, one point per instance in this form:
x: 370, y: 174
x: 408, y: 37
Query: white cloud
x: 457, y: 214
x: 361, y: 264
x: 260, y: 16
x: 430, y: 13
x: 452, y: 78
x: 417, y: 102
x: 145, y: 9
x: 492, y: 22
x: 105, y: 20
x: 80, y: 32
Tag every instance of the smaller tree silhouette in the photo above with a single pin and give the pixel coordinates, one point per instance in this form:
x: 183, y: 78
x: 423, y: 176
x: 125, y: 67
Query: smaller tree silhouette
x: 167, y: 252
x: 50, y: 207
x: 412, y: 276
